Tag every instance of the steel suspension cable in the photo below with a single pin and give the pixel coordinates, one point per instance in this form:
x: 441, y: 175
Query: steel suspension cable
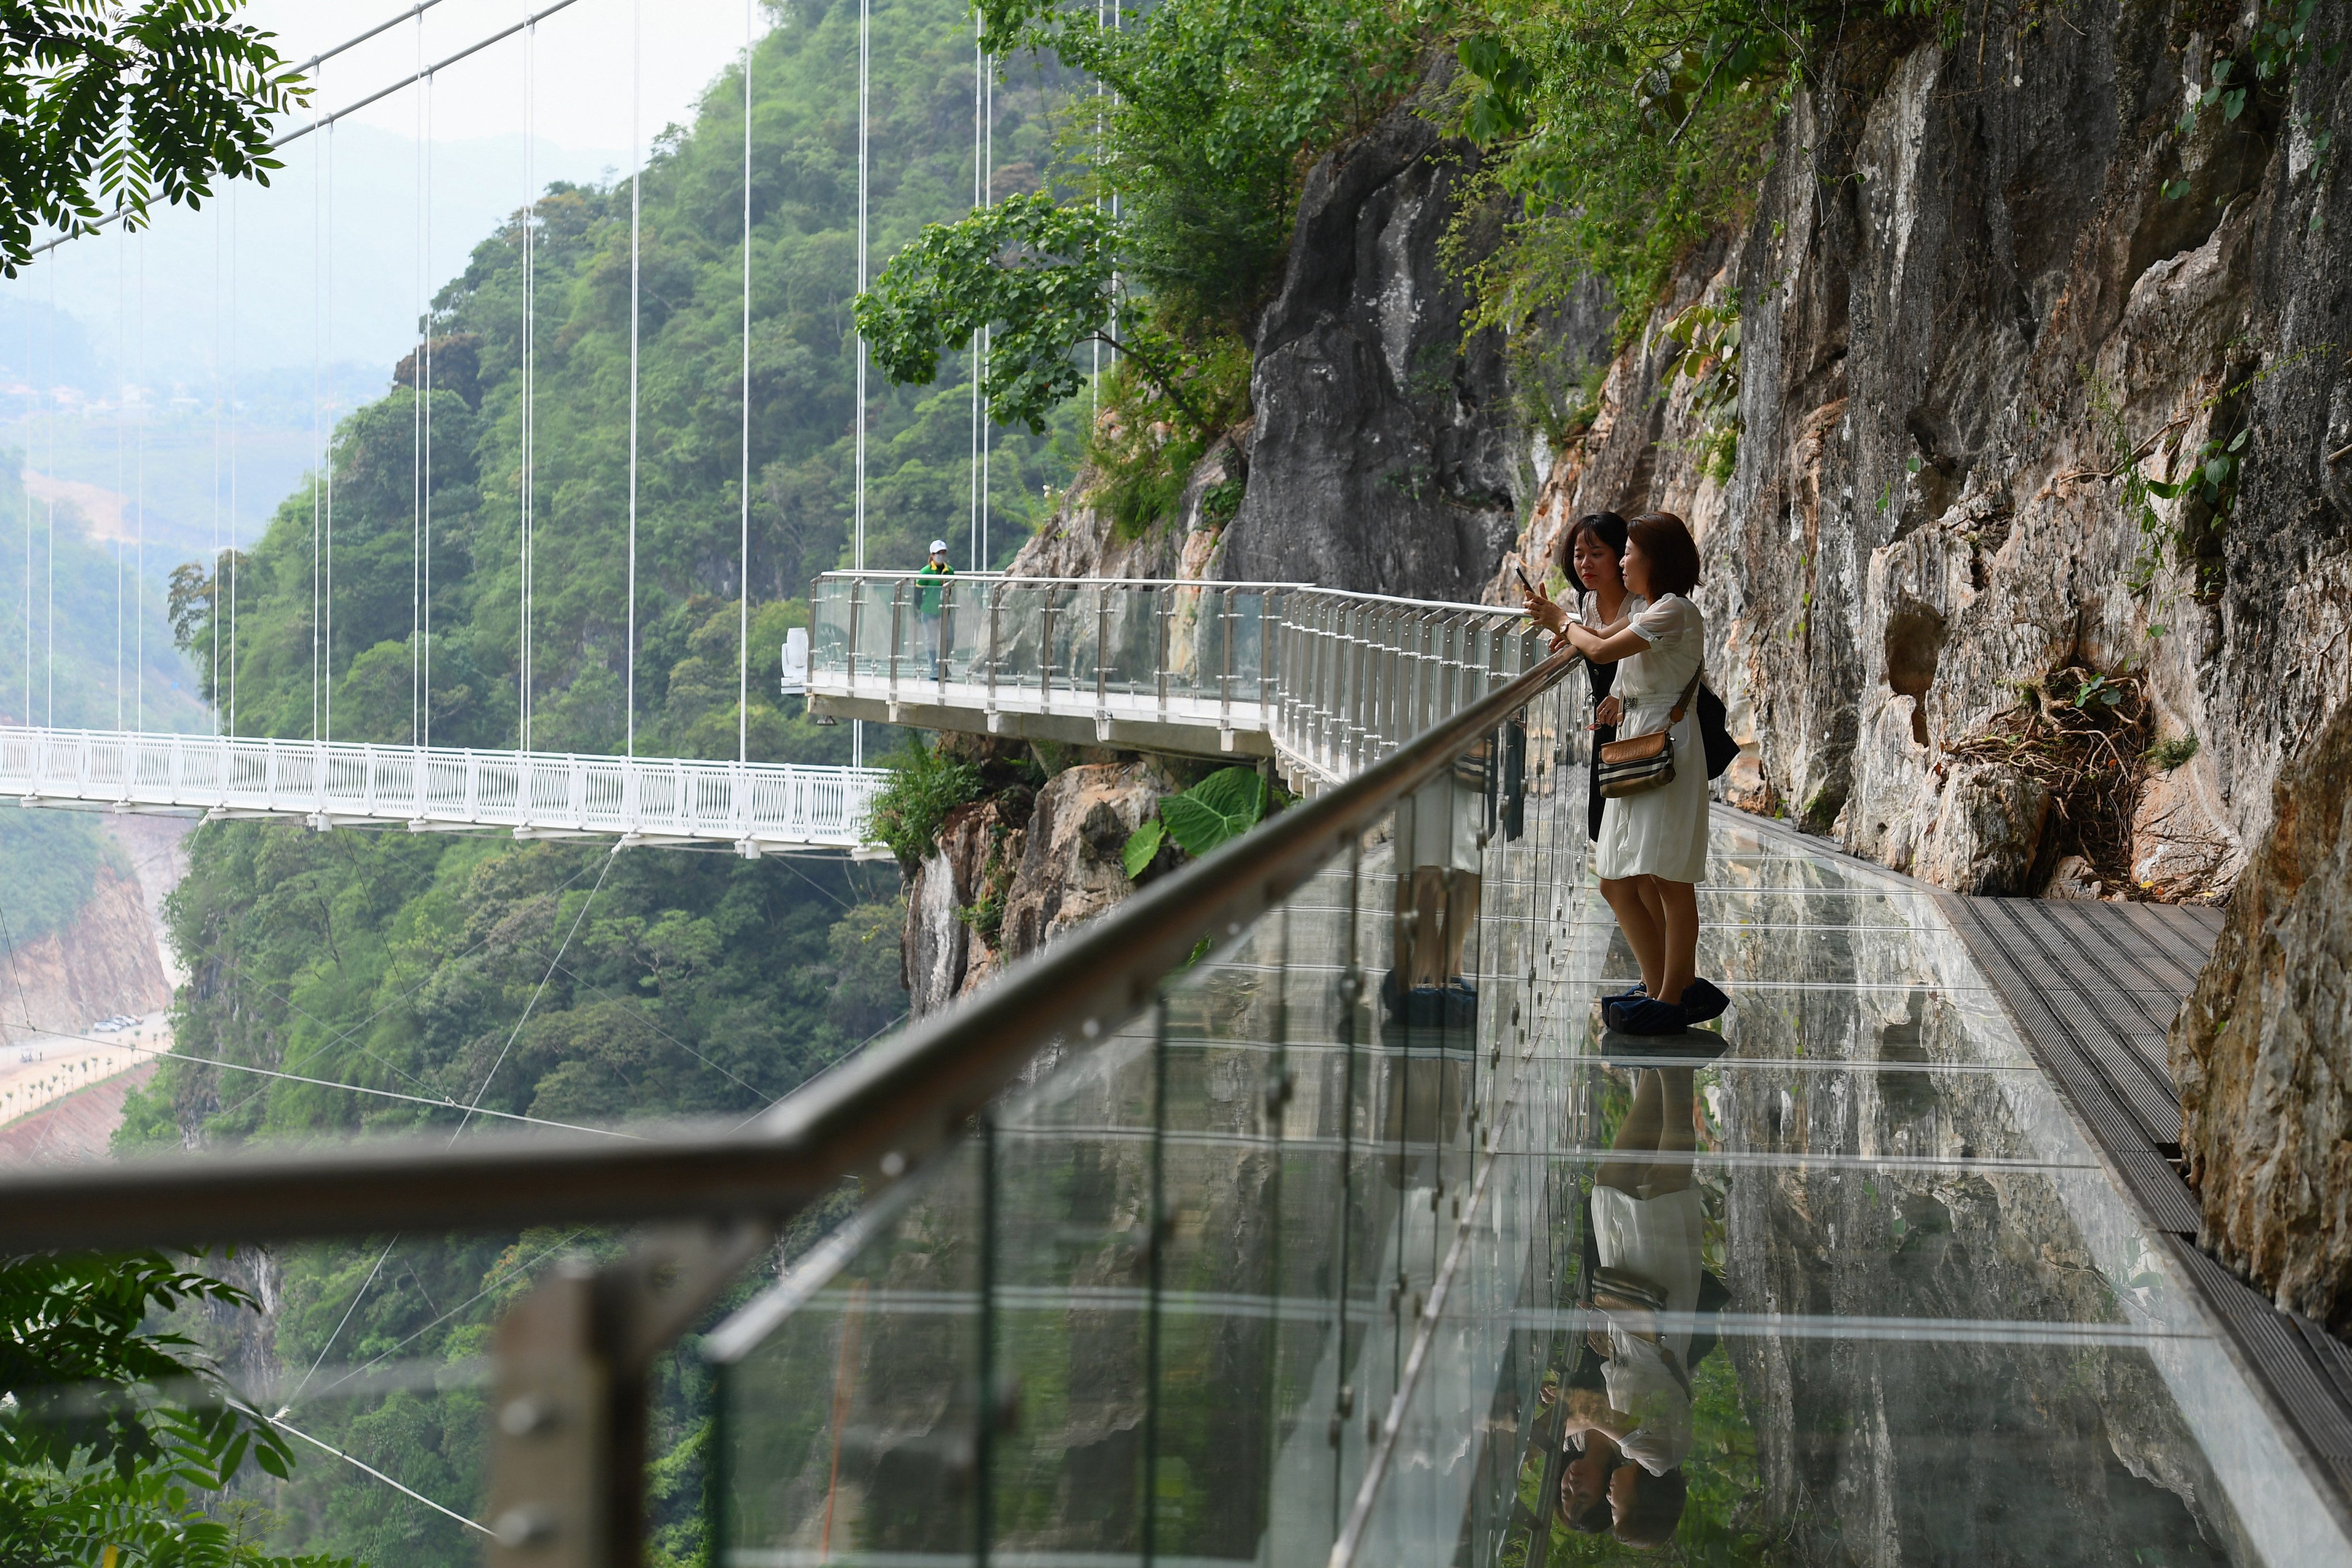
x: 416, y: 478
x: 865, y: 159
x: 424, y: 692
x: 139, y: 576
x: 636, y: 230
x: 530, y: 392
x: 321, y: 120
x: 122, y: 395
x: 743, y: 539
x: 972, y: 351
x: 49, y: 554
x: 317, y: 499
x: 235, y: 554
x: 327, y: 638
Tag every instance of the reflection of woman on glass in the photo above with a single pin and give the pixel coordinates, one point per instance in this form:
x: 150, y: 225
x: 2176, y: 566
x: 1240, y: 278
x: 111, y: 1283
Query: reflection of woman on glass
x: 1635, y: 1430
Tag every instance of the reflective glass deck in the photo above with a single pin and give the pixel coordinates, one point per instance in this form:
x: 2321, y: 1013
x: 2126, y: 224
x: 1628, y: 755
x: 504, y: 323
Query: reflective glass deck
x: 1270, y: 1276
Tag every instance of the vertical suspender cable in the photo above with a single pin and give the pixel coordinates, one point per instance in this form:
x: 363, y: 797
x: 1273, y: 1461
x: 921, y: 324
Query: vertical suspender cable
x: 864, y: 156
x: 972, y: 353
x: 327, y: 638
x: 530, y: 370
x: 235, y: 563
x: 744, y: 541
x: 25, y: 495
x: 139, y: 573
x: 318, y: 497
x: 865, y: 149
x: 987, y: 335
x: 49, y: 562
x: 425, y: 691
x: 122, y: 396
x: 220, y: 567
x: 636, y: 232
x: 416, y: 436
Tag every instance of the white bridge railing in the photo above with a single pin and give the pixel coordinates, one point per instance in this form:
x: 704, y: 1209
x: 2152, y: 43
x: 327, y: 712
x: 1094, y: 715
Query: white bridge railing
x: 747, y: 808
x: 1324, y: 681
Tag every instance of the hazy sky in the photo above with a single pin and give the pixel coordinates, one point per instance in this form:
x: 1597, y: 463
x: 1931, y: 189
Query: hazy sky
x: 323, y: 264
x: 261, y: 295
x: 585, y: 62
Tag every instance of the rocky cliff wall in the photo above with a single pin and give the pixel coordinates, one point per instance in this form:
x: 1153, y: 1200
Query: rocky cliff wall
x: 1976, y: 289
x: 1005, y: 880
x: 106, y: 961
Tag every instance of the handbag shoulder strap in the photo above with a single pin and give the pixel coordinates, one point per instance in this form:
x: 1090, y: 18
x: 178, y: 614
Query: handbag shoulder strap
x: 1688, y: 692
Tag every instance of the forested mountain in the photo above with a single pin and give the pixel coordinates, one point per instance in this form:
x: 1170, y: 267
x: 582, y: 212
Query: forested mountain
x: 560, y: 982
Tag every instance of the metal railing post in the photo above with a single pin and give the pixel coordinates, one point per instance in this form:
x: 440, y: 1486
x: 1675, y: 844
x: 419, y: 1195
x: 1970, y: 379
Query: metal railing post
x: 856, y: 616
x: 1163, y: 600
x: 1102, y: 662
x: 995, y: 631
x: 1045, y: 655
x: 898, y: 634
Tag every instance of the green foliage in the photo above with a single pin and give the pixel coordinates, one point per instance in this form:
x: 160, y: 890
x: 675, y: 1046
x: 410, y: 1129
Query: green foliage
x: 1212, y: 813
x: 48, y: 865
x: 1037, y: 275
x: 117, y: 1436
x: 1705, y: 352
x: 1625, y: 133
x: 1144, y: 446
x: 926, y: 786
x: 1215, y: 109
x: 689, y: 499
x: 1211, y: 111
x: 1142, y: 846
x: 110, y: 107
x: 2260, y: 65
x: 2171, y: 752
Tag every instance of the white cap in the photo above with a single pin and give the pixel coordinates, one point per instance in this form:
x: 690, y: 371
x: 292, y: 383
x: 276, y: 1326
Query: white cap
x: 938, y: 546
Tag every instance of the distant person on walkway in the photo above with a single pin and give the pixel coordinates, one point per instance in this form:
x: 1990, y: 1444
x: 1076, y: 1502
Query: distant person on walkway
x: 1652, y: 852
x: 931, y: 594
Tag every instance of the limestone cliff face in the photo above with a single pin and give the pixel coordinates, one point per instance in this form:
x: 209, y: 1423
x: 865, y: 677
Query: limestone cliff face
x: 2263, y: 1052
x: 999, y: 885
x: 1967, y: 306
x: 1383, y: 457
x: 106, y: 961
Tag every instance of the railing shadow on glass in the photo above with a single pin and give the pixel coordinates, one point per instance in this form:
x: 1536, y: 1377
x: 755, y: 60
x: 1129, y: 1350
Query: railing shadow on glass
x: 1155, y: 1237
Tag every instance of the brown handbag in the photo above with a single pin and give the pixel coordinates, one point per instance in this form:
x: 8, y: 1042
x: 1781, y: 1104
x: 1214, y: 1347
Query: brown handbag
x: 1644, y: 763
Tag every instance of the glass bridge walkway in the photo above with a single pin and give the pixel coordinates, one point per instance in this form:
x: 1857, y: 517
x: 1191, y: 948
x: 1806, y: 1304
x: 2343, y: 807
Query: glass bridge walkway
x: 1297, y: 1211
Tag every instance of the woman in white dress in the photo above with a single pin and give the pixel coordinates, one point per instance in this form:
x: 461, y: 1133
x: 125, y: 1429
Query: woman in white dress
x: 1652, y: 852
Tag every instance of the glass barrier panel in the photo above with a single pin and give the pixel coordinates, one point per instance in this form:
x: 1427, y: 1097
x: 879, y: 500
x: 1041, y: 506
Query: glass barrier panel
x: 852, y: 1431
x: 829, y: 627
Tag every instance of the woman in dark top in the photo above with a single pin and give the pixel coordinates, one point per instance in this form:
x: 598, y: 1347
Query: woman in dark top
x: 1591, y: 557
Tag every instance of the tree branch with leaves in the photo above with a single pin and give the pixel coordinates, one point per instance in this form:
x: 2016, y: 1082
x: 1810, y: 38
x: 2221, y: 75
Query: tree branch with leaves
x: 108, y: 109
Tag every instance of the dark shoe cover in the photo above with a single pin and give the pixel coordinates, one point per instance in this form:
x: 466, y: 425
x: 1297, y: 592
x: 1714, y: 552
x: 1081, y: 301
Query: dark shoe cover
x: 1702, y: 1000
x: 1650, y: 1017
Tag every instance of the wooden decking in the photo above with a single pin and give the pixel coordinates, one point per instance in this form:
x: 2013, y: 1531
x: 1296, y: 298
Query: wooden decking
x: 2092, y: 988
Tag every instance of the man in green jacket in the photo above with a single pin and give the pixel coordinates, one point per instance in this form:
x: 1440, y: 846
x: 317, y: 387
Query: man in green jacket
x: 930, y: 592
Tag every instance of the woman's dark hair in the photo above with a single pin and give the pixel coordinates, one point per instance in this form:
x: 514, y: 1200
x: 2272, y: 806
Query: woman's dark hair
x: 1605, y: 526
x: 1674, y: 558
x: 1658, y: 1504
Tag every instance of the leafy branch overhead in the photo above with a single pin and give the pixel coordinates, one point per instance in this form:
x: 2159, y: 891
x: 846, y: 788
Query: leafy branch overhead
x: 108, y: 108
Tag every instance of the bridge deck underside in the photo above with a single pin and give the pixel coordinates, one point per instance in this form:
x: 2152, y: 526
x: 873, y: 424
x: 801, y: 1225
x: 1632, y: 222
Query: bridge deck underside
x: 1192, y: 725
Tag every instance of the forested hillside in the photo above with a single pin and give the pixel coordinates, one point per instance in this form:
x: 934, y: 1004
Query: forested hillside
x: 560, y: 982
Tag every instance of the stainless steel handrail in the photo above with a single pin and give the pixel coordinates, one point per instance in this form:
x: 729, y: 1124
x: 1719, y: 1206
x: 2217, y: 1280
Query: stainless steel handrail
x: 881, y: 1112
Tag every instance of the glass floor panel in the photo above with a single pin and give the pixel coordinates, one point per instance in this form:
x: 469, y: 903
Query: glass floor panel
x: 1270, y: 1277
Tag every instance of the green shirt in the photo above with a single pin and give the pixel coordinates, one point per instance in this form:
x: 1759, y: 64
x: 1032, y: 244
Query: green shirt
x: 929, y: 594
